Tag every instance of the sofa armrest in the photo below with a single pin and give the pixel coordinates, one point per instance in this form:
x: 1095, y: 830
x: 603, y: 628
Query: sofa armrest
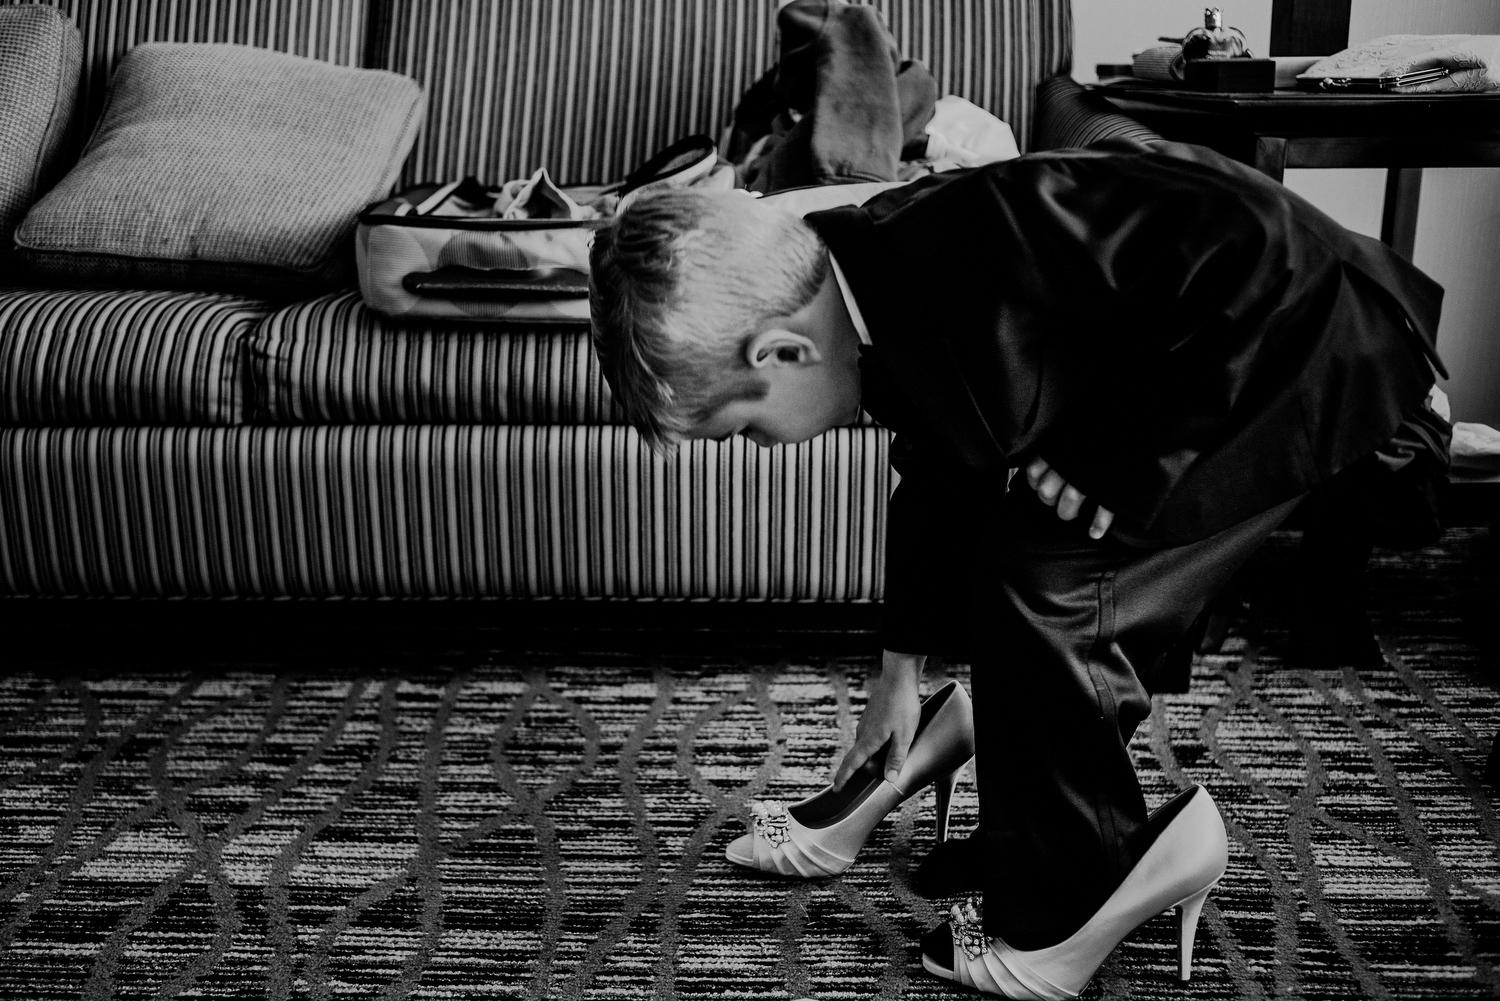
x: 1068, y: 116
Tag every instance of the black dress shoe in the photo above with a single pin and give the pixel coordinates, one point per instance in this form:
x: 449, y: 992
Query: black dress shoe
x: 952, y: 869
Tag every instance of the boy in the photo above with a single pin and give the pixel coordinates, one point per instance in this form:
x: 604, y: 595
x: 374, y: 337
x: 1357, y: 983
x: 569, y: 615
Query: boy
x: 1173, y: 348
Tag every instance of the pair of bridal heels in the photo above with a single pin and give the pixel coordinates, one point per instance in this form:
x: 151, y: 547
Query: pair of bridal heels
x: 821, y: 836
x: 1177, y: 872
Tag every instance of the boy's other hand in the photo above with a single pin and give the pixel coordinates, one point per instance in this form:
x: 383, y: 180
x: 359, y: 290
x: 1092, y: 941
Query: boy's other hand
x: 891, y: 715
x: 1068, y: 499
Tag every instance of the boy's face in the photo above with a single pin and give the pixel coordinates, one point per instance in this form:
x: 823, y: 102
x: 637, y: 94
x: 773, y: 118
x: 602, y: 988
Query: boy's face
x: 810, y: 365
x: 802, y: 403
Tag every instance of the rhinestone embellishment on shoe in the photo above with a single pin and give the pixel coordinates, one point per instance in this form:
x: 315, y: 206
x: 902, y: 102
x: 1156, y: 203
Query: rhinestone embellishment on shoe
x: 967, y: 924
x: 772, y: 823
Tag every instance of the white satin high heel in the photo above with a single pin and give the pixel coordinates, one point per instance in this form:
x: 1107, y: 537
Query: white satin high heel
x: 1177, y: 872
x: 821, y: 835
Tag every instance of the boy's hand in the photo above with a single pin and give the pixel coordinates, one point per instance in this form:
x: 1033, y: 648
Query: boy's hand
x: 1054, y: 490
x: 891, y: 714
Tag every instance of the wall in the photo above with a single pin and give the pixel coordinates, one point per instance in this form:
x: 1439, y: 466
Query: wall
x: 1458, y: 231
x: 1109, y: 31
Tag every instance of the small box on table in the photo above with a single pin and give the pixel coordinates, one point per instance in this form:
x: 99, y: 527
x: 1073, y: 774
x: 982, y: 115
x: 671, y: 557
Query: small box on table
x: 1225, y: 76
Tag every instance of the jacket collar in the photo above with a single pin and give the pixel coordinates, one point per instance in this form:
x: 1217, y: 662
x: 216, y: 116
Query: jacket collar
x: 913, y: 360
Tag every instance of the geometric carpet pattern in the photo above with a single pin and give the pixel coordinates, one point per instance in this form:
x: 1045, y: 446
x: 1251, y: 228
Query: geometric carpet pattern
x: 531, y: 824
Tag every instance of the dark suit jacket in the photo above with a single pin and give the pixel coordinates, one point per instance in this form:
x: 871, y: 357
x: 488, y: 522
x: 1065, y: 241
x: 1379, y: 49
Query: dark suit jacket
x: 1182, y: 338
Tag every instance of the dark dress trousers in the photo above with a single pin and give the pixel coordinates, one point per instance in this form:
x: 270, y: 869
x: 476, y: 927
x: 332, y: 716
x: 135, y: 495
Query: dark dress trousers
x: 1189, y: 344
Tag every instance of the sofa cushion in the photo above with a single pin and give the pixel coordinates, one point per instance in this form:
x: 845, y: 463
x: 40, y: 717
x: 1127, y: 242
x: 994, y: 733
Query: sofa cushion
x: 225, y: 168
x: 591, y: 88
x: 39, y: 59
x: 331, y: 30
x: 334, y: 361
x: 123, y: 358
x: 439, y: 511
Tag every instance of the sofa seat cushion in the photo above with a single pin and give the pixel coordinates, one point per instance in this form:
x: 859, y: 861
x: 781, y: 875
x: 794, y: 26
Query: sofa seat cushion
x: 70, y: 358
x: 334, y: 361
x: 40, y: 54
x: 439, y: 512
x: 225, y: 168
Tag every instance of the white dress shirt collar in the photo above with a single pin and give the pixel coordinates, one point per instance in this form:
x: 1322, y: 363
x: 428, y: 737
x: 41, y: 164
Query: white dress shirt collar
x: 849, y: 303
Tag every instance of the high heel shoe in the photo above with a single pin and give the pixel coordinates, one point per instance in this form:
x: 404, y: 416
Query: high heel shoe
x: 820, y: 836
x: 1177, y: 872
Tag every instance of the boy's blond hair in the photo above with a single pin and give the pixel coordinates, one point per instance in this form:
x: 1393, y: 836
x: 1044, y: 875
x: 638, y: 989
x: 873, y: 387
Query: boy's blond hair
x: 678, y: 281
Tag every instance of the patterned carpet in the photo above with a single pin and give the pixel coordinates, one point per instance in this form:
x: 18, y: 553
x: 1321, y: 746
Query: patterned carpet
x: 504, y: 821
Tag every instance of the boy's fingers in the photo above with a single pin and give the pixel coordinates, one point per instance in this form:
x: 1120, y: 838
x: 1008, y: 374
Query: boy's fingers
x: 852, y: 762
x: 1051, y: 486
x: 841, y: 775
x: 1069, y: 504
x: 846, y: 768
x: 1102, y: 520
x: 895, y: 758
x: 1035, y: 471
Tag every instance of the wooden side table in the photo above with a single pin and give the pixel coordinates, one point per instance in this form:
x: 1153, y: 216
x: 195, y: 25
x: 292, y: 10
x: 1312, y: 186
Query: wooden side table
x: 1271, y: 132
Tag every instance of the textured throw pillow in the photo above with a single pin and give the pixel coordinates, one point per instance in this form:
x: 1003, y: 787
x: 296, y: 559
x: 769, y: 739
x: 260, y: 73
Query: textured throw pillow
x: 225, y: 168
x: 40, y: 55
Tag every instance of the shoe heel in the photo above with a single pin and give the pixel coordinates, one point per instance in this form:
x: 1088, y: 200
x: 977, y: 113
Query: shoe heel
x: 1187, y: 930
x: 943, y: 793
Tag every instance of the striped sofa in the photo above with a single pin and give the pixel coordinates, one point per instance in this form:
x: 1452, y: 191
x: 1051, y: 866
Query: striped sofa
x: 167, y: 444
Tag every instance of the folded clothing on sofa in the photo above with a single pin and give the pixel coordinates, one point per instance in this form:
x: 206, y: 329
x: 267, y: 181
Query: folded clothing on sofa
x: 843, y: 106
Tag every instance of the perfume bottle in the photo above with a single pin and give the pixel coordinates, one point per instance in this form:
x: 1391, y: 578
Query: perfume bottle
x: 1213, y: 40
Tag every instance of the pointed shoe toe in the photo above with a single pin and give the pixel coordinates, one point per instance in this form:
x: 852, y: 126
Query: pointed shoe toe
x: 821, y: 835
x: 741, y: 851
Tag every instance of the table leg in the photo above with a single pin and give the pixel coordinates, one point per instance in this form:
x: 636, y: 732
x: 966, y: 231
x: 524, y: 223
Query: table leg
x: 1270, y: 156
x: 1398, y: 223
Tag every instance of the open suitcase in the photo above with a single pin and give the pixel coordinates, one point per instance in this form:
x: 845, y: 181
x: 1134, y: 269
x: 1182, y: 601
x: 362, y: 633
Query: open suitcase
x: 450, y: 251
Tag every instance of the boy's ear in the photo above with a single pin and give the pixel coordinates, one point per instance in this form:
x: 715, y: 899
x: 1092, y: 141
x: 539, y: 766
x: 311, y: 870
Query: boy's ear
x: 777, y: 346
